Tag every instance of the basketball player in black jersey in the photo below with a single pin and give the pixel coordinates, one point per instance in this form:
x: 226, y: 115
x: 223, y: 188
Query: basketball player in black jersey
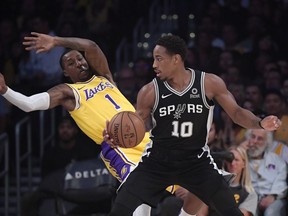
x: 178, y: 108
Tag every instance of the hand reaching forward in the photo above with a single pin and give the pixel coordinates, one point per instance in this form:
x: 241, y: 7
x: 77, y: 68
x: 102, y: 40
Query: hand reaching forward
x: 106, y: 136
x: 3, y: 86
x: 39, y: 42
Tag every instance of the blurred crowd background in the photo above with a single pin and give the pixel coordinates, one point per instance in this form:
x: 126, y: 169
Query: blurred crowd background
x: 242, y: 41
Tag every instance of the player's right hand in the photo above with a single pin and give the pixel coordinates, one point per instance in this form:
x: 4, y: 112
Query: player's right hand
x: 38, y: 42
x: 3, y: 86
x: 106, y: 136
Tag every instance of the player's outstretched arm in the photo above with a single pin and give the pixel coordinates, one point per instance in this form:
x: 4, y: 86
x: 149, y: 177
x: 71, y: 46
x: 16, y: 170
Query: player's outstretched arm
x: 93, y: 53
x: 58, y: 95
x: 216, y: 89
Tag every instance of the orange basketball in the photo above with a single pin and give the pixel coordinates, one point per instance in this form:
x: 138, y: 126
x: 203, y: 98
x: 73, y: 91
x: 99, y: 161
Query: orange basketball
x: 126, y: 129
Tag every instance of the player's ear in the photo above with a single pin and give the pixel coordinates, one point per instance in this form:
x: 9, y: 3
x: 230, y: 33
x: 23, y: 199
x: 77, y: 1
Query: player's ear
x: 177, y: 58
x: 65, y: 73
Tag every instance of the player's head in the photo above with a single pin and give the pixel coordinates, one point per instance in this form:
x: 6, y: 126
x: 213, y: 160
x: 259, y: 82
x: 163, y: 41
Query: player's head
x: 169, y: 55
x: 75, y: 66
x: 174, y: 45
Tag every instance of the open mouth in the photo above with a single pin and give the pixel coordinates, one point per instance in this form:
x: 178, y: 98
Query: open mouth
x: 83, y: 68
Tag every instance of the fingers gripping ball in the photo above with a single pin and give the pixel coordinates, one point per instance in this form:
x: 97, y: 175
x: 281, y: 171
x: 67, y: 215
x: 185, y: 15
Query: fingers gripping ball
x: 126, y: 129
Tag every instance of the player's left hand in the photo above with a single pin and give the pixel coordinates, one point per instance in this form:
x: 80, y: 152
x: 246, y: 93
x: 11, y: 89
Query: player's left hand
x: 271, y: 123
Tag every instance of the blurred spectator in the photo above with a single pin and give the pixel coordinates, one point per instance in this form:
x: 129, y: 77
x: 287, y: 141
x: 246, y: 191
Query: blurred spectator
x: 247, y: 104
x: 254, y: 27
x: 268, y: 173
x: 274, y: 104
x: 259, y: 63
x: 4, y: 115
x: 237, y: 90
x: 273, y: 80
x: 233, y: 75
x: 143, y: 72
x: 283, y: 67
x: 98, y: 17
x: 8, y: 37
x: 241, y: 185
x: 39, y: 72
x: 229, y: 38
x: 208, y: 24
x: 215, y: 142
x: 269, y: 66
x: 192, y: 58
x: 207, y: 54
x: 8, y: 66
x: 253, y: 93
x: 235, y: 11
x: 27, y: 10
x: 126, y: 82
x: 226, y: 59
x: 265, y: 44
x: 70, y: 146
x: 284, y: 90
x: 214, y: 137
x: 233, y: 134
x: 280, y: 149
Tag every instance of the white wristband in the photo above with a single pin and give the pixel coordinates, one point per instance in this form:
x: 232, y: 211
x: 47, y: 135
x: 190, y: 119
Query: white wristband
x: 39, y: 101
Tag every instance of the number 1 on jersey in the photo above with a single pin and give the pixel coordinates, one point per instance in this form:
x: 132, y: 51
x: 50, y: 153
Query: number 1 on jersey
x: 117, y: 107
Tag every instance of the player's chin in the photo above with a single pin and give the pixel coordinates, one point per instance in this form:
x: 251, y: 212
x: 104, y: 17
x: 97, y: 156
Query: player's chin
x: 85, y: 75
x: 159, y: 75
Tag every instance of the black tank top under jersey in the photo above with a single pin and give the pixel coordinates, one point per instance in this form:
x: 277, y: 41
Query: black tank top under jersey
x: 181, y: 120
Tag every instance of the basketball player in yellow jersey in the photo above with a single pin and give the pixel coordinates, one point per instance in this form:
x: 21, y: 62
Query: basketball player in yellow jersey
x: 91, y: 100
x: 96, y: 101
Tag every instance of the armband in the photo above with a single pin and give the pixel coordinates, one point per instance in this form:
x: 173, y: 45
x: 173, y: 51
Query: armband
x: 39, y: 101
x: 261, y: 124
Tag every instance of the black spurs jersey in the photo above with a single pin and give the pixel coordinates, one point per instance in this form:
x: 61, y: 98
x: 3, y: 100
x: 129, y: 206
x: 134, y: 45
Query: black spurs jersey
x: 181, y: 120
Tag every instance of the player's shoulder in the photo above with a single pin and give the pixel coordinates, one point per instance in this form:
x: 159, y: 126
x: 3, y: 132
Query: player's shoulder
x: 213, y: 79
x: 60, y: 87
x: 147, y: 87
x: 146, y: 95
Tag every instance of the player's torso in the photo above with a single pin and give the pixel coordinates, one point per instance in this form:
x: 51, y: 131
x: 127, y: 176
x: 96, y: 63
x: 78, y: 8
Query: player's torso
x: 182, y: 119
x: 98, y: 101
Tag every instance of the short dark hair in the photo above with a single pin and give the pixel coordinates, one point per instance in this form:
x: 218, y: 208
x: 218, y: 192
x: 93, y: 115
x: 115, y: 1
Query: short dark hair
x: 68, y: 119
x: 61, y: 57
x: 274, y: 91
x: 174, y: 45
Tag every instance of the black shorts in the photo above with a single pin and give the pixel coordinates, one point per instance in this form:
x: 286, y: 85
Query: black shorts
x: 195, y: 171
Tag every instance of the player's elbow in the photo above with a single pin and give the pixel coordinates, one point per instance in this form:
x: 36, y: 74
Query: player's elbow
x: 28, y: 107
x: 36, y: 102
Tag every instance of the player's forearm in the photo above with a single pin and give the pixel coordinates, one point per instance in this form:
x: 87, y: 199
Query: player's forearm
x: 39, y: 101
x: 247, y: 119
x: 79, y: 44
x: 93, y: 53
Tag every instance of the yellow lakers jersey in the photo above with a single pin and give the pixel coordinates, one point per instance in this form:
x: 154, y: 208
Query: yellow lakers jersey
x: 98, y: 100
